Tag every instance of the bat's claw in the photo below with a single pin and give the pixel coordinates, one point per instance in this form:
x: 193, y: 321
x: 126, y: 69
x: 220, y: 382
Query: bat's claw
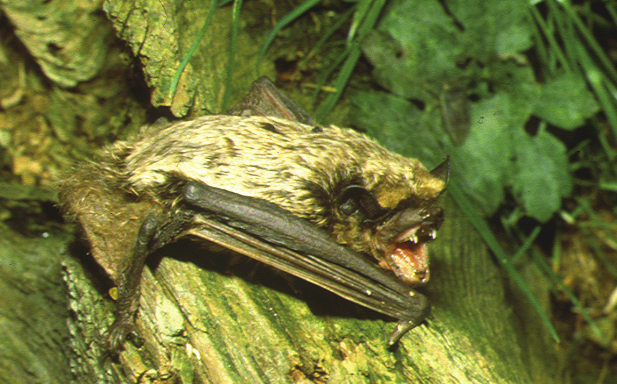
x: 402, y: 327
x: 116, y: 335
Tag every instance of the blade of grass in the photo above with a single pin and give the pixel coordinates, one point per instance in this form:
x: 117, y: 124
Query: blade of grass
x: 565, y: 32
x: 610, y: 8
x: 553, y: 47
x: 585, y: 55
x: 597, y: 80
x: 476, y: 220
x: 329, y: 32
x: 609, y: 186
x: 339, y: 83
x: 352, y: 54
x: 591, y: 239
x: 588, y: 37
x: 286, y: 20
x: 558, y: 282
x: 325, y: 74
x: 363, y: 9
x: 189, y: 54
x: 556, y: 259
x: 233, y: 46
x: 526, y: 244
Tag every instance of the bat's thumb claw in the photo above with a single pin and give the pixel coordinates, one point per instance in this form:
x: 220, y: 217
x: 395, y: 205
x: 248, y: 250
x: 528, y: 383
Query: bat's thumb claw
x: 401, y: 328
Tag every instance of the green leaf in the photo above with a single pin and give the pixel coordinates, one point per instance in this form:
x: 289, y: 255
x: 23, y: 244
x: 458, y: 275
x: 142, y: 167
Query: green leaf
x: 484, y: 162
x: 492, y: 27
x: 421, y: 45
x: 566, y: 102
x: 542, y: 176
x: 410, y: 46
x: 398, y: 125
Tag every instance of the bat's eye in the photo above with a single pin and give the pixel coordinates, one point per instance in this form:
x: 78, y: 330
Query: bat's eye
x: 348, y: 207
x: 355, y: 198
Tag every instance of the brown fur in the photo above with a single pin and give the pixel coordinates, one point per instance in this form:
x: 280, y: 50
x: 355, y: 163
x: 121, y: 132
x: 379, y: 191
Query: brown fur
x: 287, y: 163
x: 296, y: 168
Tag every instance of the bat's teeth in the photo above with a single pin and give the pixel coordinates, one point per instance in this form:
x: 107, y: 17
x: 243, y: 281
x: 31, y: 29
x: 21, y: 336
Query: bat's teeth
x: 413, y: 237
x: 410, y: 235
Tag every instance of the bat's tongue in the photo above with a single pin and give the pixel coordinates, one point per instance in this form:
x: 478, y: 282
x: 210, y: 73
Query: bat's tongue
x: 407, y: 255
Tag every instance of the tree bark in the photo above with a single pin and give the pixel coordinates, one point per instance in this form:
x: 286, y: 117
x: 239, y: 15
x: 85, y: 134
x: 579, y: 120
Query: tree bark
x: 34, y: 310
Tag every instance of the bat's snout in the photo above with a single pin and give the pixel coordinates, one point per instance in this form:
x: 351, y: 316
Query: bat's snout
x: 406, y: 235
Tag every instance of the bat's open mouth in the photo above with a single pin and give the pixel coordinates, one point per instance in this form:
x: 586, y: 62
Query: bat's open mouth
x: 406, y: 252
x: 407, y: 255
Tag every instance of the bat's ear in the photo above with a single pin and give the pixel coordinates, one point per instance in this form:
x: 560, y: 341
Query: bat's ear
x: 265, y: 99
x: 442, y: 171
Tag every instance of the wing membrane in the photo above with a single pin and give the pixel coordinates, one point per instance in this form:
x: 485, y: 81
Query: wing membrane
x: 267, y: 233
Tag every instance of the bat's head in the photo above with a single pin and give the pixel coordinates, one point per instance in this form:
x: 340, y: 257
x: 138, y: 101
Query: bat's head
x: 393, y: 218
x: 386, y: 206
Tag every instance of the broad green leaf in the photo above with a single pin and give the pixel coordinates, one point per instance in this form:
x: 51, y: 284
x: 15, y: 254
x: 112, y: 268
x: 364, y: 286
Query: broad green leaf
x: 566, y: 102
x: 421, y: 45
x: 492, y: 27
x: 542, y: 176
x: 398, y: 125
x: 484, y: 163
x: 410, y: 47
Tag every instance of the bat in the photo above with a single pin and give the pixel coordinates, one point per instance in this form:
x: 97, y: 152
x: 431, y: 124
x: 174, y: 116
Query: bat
x: 326, y: 204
